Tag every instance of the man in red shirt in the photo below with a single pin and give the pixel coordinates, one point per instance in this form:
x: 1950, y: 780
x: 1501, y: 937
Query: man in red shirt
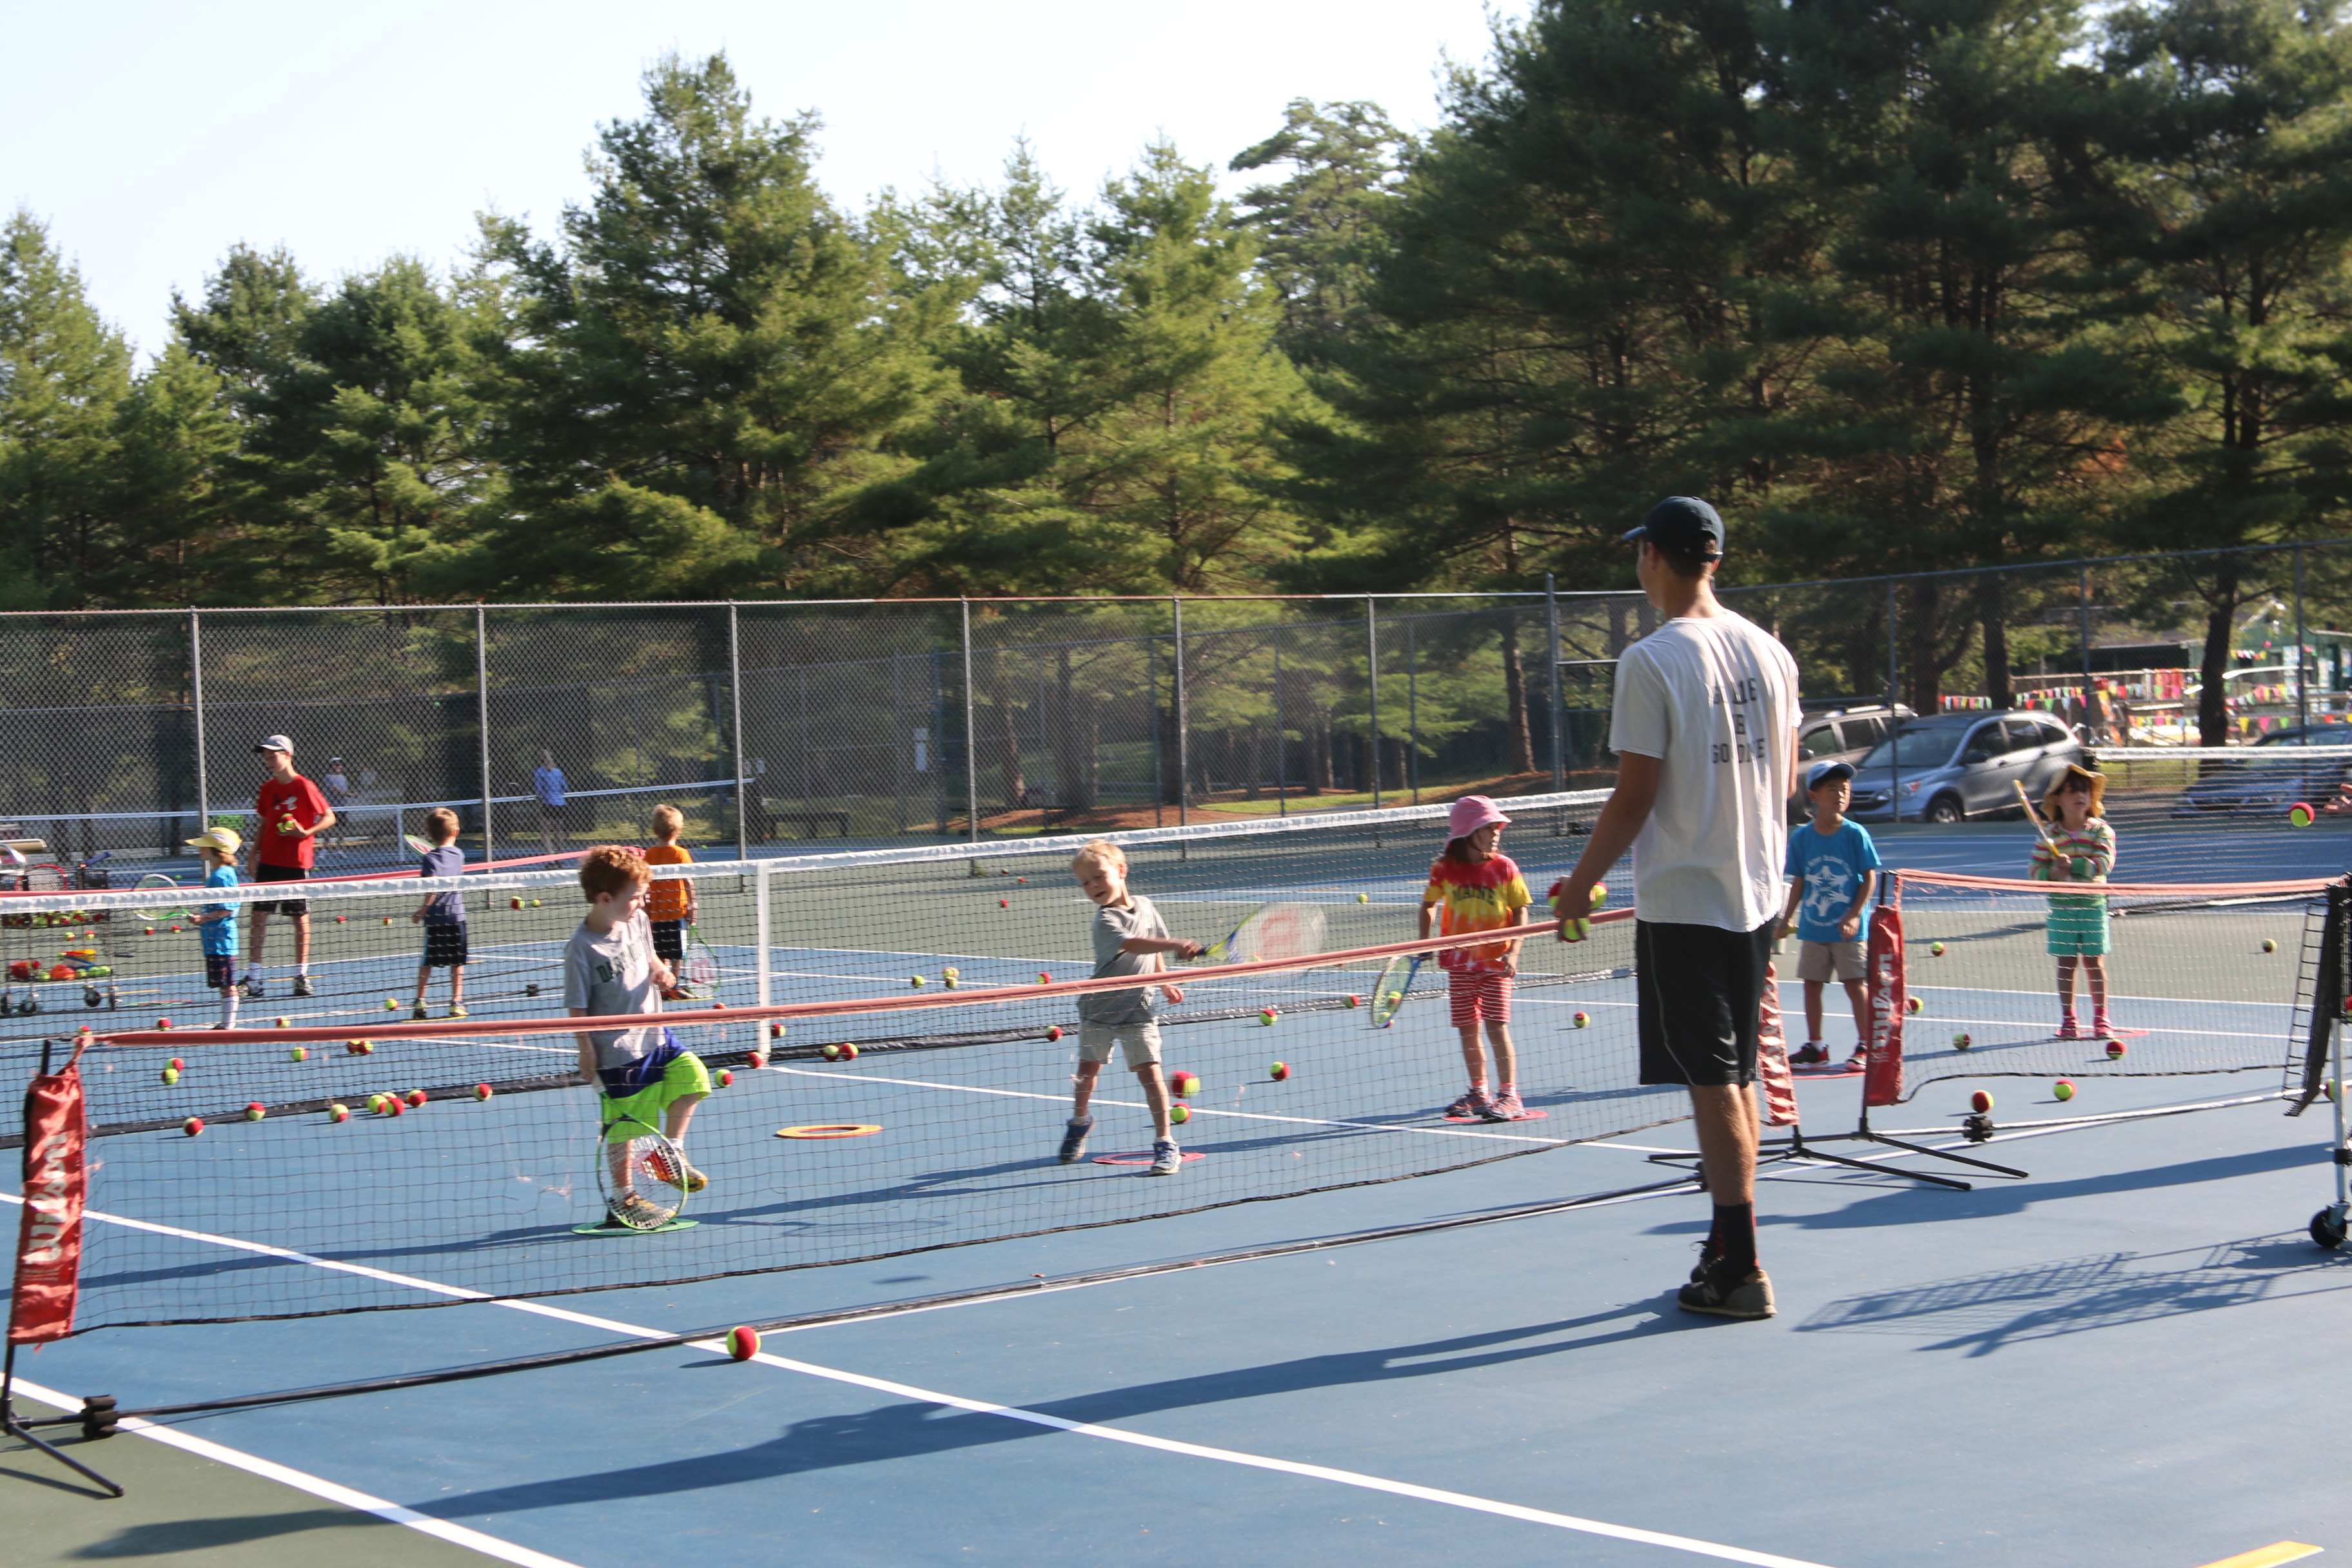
x: 292, y: 813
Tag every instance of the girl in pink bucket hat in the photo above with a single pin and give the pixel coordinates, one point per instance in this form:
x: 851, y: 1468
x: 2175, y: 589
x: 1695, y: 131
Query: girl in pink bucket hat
x: 1474, y: 887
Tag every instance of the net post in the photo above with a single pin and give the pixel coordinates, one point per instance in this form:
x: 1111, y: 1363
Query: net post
x: 762, y: 904
x: 1372, y: 686
x: 735, y: 707
x: 196, y: 708
x: 2302, y: 645
x: 1551, y: 664
x: 2327, y: 996
x: 1183, y: 724
x: 482, y: 720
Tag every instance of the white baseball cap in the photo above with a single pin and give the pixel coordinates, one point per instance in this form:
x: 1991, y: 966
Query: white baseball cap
x: 275, y: 743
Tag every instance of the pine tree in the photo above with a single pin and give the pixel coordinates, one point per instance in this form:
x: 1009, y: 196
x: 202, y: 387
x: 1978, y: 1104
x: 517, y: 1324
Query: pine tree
x: 1316, y: 227
x: 64, y: 375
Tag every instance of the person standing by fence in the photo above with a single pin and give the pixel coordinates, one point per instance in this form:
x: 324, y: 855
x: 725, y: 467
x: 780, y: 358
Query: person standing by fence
x: 547, y: 788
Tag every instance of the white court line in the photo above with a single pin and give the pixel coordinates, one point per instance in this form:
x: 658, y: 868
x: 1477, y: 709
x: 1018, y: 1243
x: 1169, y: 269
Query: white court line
x: 1197, y: 1111
x: 520, y: 1555
x: 301, y: 1480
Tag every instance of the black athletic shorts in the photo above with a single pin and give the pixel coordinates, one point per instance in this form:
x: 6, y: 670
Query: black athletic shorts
x: 669, y: 941
x: 445, y: 945
x: 264, y: 872
x: 1699, y: 991
x: 220, y: 970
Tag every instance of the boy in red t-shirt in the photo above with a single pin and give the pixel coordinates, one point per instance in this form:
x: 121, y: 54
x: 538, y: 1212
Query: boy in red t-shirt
x: 1473, y: 888
x: 291, y: 813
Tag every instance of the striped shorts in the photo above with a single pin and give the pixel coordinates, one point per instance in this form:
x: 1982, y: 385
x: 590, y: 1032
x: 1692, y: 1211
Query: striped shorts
x: 1472, y: 997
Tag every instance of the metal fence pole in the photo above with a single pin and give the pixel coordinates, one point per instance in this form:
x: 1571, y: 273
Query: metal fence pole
x: 1183, y: 724
x: 1372, y: 665
x: 2082, y: 601
x: 1551, y: 641
x: 1894, y: 685
x: 2302, y: 639
x: 735, y: 704
x: 971, y: 745
x: 482, y: 703
x: 196, y: 705
x: 1412, y: 706
x: 1281, y: 763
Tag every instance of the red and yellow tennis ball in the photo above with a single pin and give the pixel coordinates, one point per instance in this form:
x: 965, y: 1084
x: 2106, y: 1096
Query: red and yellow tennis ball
x: 390, y: 1004
x: 845, y: 1051
x: 742, y: 1343
x: 375, y: 1104
x: 514, y: 904
x: 256, y: 1111
x: 2270, y: 944
x: 1936, y: 949
x: 2063, y: 1090
x: 298, y: 1054
x: 726, y: 1080
x: 2300, y: 814
x: 2115, y: 1049
x: 285, y: 1024
x: 1184, y: 1084
x: 481, y: 1092
x: 776, y: 1030
x: 394, y: 1105
x: 341, y: 919
x: 417, y: 1097
x: 1279, y: 1071
x: 1981, y: 1100
x: 1960, y: 1042
x: 1267, y: 1015
x: 1004, y: 903
x: 175, y: 1064
x: 163, y: 1023
x: 1179, y: 1113
x: 1045, y: 977
x: 193, y: 1125
x: 1354, y: 1002
x: 170, y: 1076
x: 359, y: 1048
x: 1912, y: 1004
x: 339, y: 1113
x: 1582, y: 1019
x: 916, y: 981
x: 1054, y: 1033
x: 755, y: 1059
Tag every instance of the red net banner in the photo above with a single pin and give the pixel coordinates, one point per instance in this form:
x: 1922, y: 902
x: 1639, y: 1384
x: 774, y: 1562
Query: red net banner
x: 1780, y: 1105
x: 48, y: 1235
x: 1882, y: 1082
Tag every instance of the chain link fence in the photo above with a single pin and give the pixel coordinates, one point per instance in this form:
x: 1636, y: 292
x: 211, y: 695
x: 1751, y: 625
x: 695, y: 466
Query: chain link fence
x: 776, y: 724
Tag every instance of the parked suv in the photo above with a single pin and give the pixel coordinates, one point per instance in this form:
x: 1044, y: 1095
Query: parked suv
x: 1840, y: 735
x: 1953, y: 766
x: 2274, y: 774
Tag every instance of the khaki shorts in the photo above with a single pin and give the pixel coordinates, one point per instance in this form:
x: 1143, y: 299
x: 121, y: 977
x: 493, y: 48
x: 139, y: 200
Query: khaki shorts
x: 1816, y: 960
x: 1140, y: 1040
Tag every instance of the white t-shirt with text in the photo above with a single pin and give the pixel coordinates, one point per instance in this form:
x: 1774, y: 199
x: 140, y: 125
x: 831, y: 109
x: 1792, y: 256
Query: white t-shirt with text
x: 1713, y: 699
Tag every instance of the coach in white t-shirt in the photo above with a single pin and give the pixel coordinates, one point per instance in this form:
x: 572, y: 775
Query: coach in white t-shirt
x: 1704, y: 732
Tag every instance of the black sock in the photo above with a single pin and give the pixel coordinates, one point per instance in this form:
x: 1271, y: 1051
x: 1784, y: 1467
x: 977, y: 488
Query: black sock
x: 1734, y: 1237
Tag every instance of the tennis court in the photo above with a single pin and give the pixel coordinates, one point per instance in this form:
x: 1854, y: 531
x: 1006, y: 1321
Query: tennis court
x: 1962, y: 1375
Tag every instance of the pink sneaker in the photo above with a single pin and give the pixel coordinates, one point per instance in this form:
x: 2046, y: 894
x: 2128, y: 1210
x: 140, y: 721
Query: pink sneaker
x: 2100, y: 1029
x: 2066, y: 1029
x: 1504, y: 1106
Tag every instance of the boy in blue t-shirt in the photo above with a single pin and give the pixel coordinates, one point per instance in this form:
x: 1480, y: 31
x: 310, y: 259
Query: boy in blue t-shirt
x: 1833, y: 868
x: 217, y: 849
x: 442, y: 915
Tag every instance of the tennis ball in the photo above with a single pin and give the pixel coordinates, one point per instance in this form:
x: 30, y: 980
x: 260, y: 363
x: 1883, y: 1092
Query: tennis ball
x: 387, y: 920
x: 339, y: 1113
x: 514, y: 904
x: 1363, y: 898
x: 1582, y: 1019
x: 193, y: 1125
x: 1355, y: 1001
x: 1279, y: 1071
x: 776, y: 1030
x: 755, y: 1059
x: 2269, y: 945
x: 1004, y: 903
x: 375, y: 1104
x: 1185, y: 1085
x: 1267, y: 1015
x: 1960, y: 1042
x: 2115, y: 1049
x: 831, y: 1053
x: 416, y: 1096
x: 163, y: 1023
x: 1021, y: 881
x: 1600, y: 894
x: 283, y: 1024
x: 256, y: 1111
x: 1981, y: 1100
x: 2063, y: 1090
x: 391, y: 1005
x: 357, y: 1047
x: 176, y: 928
x: 1936, y: 949
x: 742, y: 1343
x: 341, y: 919
x: 535, y: 903
x: 170, y: 1075
x: 1912, y: 1004
x: 1054, y: 1033
x: 2300, y: 814
x: 149, y: 931
x: 849, y: 1050
x: 484, y: 1091
x: 299, y: 1054
x: 391, y: 1105
x: 1179, y: 1113
x: 175, y: 1064
x: 725, y: 1080
x: 1045, y: 977
x: 916, y: 981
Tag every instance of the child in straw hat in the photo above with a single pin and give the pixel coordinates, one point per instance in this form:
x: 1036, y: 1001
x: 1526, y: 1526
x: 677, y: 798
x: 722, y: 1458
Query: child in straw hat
x: 2077, y: 846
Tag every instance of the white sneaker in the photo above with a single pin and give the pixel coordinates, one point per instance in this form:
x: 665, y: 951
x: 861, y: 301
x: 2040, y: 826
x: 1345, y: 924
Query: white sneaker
x: 1165, y: 1158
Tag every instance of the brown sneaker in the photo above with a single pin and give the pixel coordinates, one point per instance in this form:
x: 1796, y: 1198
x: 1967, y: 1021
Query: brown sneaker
x: 1722, y: 1291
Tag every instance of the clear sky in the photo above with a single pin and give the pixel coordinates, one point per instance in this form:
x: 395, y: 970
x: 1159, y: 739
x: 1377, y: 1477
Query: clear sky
x: 151, y: 137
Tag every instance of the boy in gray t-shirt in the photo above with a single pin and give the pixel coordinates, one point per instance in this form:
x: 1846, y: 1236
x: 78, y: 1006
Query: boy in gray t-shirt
x: 1129, y: 938
x: 610, y: 969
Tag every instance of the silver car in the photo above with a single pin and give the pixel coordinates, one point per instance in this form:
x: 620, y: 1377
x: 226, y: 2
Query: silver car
x: 1953, y: 766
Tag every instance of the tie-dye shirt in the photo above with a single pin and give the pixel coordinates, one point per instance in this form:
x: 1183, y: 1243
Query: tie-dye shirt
x: 1486, y: 896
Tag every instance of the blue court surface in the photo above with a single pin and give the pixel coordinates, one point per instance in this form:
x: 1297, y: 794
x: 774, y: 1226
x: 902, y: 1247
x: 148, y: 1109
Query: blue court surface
x: 2125, y: 1357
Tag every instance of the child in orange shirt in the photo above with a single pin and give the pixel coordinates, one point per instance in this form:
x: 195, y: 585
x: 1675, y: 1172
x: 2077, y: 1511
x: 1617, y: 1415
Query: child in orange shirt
x: 1473, y: 887
x: 669, y: 900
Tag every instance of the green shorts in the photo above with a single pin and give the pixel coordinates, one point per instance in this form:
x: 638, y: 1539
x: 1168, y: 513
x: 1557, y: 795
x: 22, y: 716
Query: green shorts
x: 2078, y: 929
x: 635, y: 1115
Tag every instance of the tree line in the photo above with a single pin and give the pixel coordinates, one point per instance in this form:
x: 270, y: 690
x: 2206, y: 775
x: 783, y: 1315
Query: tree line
x: 1903, y: 285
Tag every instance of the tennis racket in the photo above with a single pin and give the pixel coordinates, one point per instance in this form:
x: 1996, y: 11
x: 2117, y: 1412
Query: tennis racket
x: 1271, y: 931
x: 2032, y: 814
x: 156, y: 882
x: 701, y: 965
x: 418, y: 842
x: 1395, y: 985
x: 641, y: 1175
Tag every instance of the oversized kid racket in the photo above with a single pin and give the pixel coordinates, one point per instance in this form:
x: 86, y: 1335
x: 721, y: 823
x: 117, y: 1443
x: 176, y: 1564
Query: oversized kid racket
x: 156, y: 882
x: 642, y: 1178
x: 1395, y: 985
x: 700, y: 968
x: 1271, y: 931
x: 419, y: 843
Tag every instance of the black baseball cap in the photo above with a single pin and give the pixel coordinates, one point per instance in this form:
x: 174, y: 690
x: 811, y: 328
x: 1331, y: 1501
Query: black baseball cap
x: 1684, y: 524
